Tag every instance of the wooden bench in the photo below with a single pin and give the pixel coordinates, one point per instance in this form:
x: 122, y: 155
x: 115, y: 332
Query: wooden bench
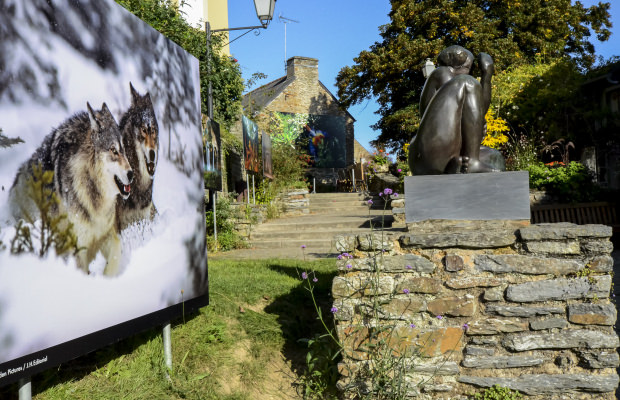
x: 578, y: 213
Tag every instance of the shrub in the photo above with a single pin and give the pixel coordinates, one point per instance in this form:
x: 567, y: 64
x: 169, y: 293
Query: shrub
x: 227, y: 236
x: 497, y: 392
x: 571, y: 183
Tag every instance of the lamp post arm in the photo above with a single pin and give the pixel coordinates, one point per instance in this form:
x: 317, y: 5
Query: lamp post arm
x: 240, y: 29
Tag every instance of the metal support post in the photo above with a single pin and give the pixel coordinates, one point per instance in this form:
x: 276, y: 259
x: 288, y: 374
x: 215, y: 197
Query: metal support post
x: 253, y: 191
x: 25, y: 389
x: 167, y: 349
x: 215, y: 216
x: 353, y: 175
x: 313, y: 185
x: 247, y: 185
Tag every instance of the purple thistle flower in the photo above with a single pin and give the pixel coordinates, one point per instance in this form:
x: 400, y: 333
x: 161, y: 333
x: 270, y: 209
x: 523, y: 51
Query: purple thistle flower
x: 380, y: 193
x: 315, y: 279
x: 340, y: 256
x: 387, y: 191
x: 349, y: 266
x: 409, y: 267
x: 370, y: 202
x: 334, y: 310
x: 439, y: 317
x: 406, y: 291
x: 465, y: 327
x: 400, y: 170
x: 304, y: 275
x: 395, y: 195
x: 303, y: 246
x: 412, y: 325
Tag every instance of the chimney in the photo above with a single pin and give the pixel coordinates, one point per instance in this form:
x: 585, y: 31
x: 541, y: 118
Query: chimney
x: 303, y: 68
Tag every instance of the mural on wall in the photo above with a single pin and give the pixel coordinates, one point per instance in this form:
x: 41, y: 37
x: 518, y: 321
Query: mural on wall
x: 102, y: 228
x: 250, y: 145
x: 267, y: 161
x: 325, y: 136
x: 212, y: 144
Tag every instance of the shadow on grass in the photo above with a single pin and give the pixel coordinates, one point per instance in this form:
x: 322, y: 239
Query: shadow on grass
x: 299, y: 322
x: 83, y: 366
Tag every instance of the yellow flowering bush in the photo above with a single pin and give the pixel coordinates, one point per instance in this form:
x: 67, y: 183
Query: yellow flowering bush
x: 496, y: 129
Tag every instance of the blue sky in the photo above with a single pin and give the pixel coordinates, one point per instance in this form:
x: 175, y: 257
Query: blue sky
x: 334, y: 32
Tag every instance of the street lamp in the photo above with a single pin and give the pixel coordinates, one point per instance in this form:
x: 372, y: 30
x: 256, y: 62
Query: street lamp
x: 264, y: 12
x: 428, y: 68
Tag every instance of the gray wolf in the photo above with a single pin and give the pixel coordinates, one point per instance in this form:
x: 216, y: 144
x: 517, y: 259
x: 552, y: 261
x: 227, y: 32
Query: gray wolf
x: 87, y: 156
x: 141, y: 141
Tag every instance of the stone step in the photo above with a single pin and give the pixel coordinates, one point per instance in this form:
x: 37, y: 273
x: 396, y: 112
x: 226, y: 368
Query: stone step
x: 305, y: 234
x: 315, y: 223
x: 294, y: 245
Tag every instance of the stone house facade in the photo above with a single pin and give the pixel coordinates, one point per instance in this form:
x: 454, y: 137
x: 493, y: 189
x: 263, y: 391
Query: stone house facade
x: 301, y: 91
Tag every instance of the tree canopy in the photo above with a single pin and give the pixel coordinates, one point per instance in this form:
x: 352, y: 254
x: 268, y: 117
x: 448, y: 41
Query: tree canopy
x: 513, y: 32
x: 164, y: 16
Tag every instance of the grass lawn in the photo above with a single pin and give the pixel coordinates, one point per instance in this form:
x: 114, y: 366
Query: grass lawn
x: 247, y: 344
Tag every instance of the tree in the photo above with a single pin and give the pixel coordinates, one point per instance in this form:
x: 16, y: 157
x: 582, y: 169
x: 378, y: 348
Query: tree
x: 512, y: 32
x: 164, y: 16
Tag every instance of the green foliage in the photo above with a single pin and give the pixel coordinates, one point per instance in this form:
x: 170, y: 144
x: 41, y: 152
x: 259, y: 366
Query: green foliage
x: 513, y: 33
x: 521, y: 152
x: 227, y: 236
x: 570, y: 183
x: 49, y: 230
x: 164, y: 16
x: 287, y: 129
x: 497, y: 392
x: 289, y: 167
x: 7, y: 141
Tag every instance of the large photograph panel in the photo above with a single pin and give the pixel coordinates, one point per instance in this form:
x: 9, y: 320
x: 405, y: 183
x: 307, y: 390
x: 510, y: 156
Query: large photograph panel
x: 327, y: 141
x: 250, y: 145
x: 101, y: 208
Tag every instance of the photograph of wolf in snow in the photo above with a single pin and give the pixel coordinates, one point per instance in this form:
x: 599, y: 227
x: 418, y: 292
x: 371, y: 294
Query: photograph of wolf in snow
x: 87, y: 157
x: 141, y: 142
x: 102, y: 221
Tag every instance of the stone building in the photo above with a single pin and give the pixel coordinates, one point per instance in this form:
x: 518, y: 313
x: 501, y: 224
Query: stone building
x: 301, y: 91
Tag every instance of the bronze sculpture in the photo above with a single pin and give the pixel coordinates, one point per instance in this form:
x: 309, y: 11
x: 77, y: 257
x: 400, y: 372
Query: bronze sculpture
x: 453, y: 106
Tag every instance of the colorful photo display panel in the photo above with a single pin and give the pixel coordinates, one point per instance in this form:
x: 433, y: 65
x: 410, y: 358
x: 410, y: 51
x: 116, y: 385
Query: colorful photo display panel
x: 250, y: 145
x: 212, y: 145
x: 267, y: 160
x: 102, y: 225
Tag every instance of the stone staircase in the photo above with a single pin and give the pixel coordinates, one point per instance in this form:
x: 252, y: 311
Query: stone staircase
x: 330, y: 214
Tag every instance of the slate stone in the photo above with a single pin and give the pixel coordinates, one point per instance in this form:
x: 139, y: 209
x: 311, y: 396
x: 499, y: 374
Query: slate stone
x: 453, y: 306
x: 566, y: 339
x: 560, y: 289
x: 522, y: 311
x: 443, y: 387
x: 564, y: 230
x: 419, y: 264
x: 542, y: 384
x: 597, y: 246
x: 492, y: 326
x: 550, y: 323
x: 525, y: 264
x: 453, y: 263
x: 492, y: 196
x: 473, y: 281
x: 501, y: 361
x: 601, y: 263
x: 359, y: 284
x: 494, y: 294
x: 345, y: 243
x: 599, y: 359
x: 375, y: 241
x: 467, y: 240
x: 484, y: 340
x: 419, y: 285
x: 443, y: 368
x: 592, y: 314
x: 472, y: 350
x: 560, y: 248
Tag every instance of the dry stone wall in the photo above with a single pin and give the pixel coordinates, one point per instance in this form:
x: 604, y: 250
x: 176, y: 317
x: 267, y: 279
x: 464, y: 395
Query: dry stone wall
x: 464, y: 305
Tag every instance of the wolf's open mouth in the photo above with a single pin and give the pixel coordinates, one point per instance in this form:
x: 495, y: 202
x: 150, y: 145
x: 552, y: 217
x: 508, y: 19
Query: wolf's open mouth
x: 150, y: 167
x: 124, y: 189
